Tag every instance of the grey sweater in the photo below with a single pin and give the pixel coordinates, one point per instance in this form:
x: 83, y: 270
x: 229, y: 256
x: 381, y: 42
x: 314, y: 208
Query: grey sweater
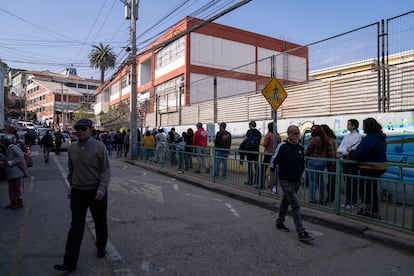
x: 89, y: 167
x: 15, y: 155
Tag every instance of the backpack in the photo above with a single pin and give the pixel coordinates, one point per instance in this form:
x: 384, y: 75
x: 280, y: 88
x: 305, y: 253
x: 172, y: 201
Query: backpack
x: 252, y: 143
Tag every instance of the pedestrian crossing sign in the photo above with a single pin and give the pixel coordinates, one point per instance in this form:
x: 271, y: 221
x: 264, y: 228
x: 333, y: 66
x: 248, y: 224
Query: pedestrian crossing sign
x: 274, y: 93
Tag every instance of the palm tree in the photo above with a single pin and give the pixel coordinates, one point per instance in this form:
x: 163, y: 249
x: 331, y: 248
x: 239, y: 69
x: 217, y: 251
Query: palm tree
x: 102, y: 57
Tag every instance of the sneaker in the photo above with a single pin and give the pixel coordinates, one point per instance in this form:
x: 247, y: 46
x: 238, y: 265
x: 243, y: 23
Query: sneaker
x: 351, y: 206
x: 282, y: 227
x: 304, y: 236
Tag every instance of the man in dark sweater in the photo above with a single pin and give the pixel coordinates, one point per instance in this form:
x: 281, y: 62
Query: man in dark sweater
x: 289, y: 155
x: 222, y: 145
x: 89, y: 176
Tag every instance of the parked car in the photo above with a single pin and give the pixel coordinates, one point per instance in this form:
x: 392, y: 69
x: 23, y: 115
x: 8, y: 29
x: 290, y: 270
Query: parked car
x: 12, y: 138
x: 28, y: 125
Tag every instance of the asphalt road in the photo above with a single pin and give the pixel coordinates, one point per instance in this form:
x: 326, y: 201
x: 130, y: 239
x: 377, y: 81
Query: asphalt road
x: 161, y: 226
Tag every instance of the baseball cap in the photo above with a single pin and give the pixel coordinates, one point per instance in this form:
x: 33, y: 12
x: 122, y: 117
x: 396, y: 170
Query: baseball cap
x: 83, y: 123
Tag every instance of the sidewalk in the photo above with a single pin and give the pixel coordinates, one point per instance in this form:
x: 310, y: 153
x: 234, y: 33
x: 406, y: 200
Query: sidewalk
x: 399, y: 240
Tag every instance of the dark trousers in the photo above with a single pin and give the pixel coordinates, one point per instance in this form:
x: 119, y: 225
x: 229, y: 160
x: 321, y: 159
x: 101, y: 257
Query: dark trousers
x: 351, y: 189
x: 368, y: 189
x: 80, y: 201
x: 265, y: 164
x: 252, y: 176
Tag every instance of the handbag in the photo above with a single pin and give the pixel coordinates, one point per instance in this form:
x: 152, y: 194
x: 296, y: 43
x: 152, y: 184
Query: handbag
x: 23, y: 167
x: 29, y: 160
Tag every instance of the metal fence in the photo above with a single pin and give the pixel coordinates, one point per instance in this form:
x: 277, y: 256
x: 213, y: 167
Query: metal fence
x: 344, y: 192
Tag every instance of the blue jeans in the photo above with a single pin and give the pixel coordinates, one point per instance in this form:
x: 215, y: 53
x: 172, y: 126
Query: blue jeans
x: 316, y: 179
x: 220, y: 157
x: 290, y: 197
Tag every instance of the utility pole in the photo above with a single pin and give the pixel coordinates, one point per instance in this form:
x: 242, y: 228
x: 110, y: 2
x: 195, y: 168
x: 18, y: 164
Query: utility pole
x: 61, y: 102
x: 133, y: 8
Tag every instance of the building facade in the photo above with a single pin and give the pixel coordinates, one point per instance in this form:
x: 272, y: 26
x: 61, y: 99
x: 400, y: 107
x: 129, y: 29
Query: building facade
x: 210, y: 62
x: 55, y: 97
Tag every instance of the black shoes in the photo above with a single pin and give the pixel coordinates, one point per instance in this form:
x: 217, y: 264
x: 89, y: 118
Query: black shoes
x: 101, y: 253
x: 304, y: 236
x: 282, y: 227
x: 64, y: 267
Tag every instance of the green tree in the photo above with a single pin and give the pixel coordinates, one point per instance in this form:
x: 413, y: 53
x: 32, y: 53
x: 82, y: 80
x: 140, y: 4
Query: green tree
x: 102, y: 57
x: 82, y: 112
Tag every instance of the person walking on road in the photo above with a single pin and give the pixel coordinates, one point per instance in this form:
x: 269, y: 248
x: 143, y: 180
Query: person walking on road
x: 89, y: 176
x: 289, y: 155
x: 15, y: 174
x: 59, y: 139
x: 47, y: 144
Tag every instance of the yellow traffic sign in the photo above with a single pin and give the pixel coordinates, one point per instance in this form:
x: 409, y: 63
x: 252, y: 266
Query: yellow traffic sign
x: 274, y: 93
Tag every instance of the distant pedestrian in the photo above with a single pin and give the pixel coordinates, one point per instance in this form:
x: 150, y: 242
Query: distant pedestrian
x: 331, y: 152
x: 161, y: 145
x: 47, y: 144
x: 222, y: 144
x: 352, y: 140
x: 189, y: 148
x: 109, y: 144
x: 119, y: 143
x: 59, y: 139
x: 89, y: 177
x: 317, y: 147
x: 200, y: 140
x: 127, y: 139
x: 373, y: 148
x: 289, y: 155
x: 149, y: 145
x: 251, y: 143
x: 173, y: 138
x: 15, y: 173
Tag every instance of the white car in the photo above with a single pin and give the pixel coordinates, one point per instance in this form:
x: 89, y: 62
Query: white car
x: 28, y: 125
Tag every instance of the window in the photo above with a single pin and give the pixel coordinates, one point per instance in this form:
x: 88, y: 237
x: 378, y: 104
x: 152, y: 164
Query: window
x: 82, y: 85
x: 125, y: 81
x: 92, y: 87
x: 170, y: 53
x: 167, y: 94
x: 70, y: 84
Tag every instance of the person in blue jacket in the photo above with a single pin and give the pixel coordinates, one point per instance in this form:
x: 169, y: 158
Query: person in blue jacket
x: 372, y: 148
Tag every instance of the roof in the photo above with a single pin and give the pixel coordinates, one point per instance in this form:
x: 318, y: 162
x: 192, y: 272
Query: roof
x: 56, y: 88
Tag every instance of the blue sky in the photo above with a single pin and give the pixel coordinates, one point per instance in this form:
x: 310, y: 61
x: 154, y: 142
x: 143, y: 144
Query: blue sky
x: 53, y: 34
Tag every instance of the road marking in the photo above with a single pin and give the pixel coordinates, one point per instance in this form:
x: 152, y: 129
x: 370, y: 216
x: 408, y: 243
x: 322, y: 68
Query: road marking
x: 228, y: 205
x: 315, y: 233
x: 193, y: 195
x: 175, y: 187
x: 148, y: 190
